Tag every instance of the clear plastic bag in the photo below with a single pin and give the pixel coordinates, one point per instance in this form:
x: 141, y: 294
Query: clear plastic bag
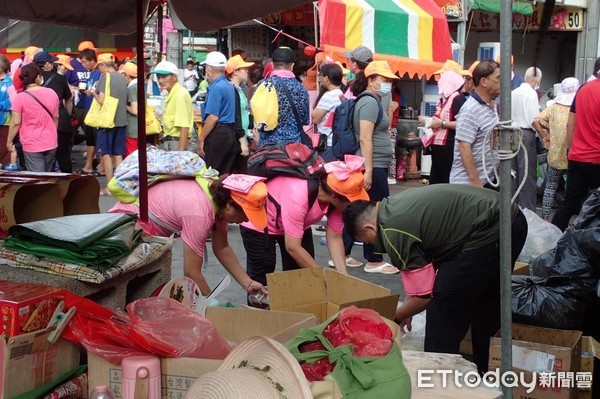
x: 541, y: 236
x: 157, y: 326
x: 415, y: 339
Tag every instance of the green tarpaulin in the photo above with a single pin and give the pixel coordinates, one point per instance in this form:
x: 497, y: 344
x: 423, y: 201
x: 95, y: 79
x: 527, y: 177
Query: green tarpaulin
x: 518, y: 7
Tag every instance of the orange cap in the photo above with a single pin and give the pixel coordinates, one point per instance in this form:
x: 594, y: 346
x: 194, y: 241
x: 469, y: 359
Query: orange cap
x: 344, y: 70
x: 86, y: 45
x: 253, y: 203
x: 237, y: 62
x: 451, y: 65
x: 130, y: 69
x: 31, y: 51
x: 105, y: 57
x: 473, y: 66
x: 381, y: 68
x: 65, y: 60
x: 351, y: 188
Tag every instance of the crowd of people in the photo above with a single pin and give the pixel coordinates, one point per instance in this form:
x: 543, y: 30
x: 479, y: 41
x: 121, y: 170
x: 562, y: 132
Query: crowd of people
x: 435, y: 236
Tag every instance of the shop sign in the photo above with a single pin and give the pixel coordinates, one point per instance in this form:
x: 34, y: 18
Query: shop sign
x: 563, y: 19
x: 452, y: 9
x: 301, y: 15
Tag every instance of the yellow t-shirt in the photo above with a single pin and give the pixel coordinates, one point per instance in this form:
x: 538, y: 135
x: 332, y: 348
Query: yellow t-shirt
x: 555, y: 119
x: 179, y: 112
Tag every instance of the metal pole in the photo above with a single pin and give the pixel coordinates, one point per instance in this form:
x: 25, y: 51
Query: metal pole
x: 141, y: 116
x: 159, y: 28
x: 505, y: 192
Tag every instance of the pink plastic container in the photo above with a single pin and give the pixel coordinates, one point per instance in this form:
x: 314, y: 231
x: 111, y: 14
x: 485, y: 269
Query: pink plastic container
x: 143, y: 372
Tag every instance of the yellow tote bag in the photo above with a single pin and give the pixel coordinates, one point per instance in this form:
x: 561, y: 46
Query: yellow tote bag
x: 103, y: 115
x: 153, y: 126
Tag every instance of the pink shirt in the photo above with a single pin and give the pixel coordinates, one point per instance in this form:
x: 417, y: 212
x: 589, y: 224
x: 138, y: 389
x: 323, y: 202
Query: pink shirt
x: 182, y: 205
x: 38, y: 130
x: 292, y: 195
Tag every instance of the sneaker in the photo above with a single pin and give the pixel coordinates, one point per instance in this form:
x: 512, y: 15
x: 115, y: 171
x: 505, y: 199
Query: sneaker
x: 12, y: 167
x: 391, y: 180
x: 323, y: 241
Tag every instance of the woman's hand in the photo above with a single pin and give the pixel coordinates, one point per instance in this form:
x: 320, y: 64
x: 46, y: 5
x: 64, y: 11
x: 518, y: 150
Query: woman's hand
x: 546, y: 142
x: 436, y: 123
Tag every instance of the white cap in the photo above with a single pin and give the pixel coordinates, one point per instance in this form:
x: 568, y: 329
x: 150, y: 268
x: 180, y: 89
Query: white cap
x: 165, y: 68
x: 216, y: 59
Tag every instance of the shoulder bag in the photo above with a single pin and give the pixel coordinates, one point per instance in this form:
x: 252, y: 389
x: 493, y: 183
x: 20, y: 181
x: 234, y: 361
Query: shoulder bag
x: 103, y: 115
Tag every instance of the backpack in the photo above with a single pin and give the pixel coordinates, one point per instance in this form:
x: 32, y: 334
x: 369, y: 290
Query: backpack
x: 344, y: 139
x: 288, y: 159
x: 265, y: 106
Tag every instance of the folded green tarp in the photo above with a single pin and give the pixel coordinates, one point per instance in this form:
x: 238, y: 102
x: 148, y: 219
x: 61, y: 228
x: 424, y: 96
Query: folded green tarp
x: 97, y: 240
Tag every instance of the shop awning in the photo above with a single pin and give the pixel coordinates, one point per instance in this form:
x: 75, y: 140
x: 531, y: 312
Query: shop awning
x: 524, y: 7
x: 412, y: 35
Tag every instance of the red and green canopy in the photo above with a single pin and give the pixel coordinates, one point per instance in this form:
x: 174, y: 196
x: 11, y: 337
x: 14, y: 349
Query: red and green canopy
x: 410, y: 29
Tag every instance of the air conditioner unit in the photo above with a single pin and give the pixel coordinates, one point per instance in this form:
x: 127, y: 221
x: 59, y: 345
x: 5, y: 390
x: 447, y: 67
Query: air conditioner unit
x: 430, y: 99
x: 488, y: 51
x: 456, y: 48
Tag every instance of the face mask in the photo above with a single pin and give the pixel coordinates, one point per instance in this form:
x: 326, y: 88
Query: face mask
x: 384, y: 89
x: 536, y: 88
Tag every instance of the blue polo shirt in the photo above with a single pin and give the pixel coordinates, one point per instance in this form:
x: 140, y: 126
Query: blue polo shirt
x: 93, y: 79
x: 220, y: 100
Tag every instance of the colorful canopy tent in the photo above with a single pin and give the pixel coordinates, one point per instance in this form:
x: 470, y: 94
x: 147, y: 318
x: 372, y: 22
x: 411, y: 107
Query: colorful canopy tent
x: 412, y: 35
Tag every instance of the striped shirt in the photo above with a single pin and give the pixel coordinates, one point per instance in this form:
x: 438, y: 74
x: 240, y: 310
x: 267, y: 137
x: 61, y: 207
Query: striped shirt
x: 474, y: 121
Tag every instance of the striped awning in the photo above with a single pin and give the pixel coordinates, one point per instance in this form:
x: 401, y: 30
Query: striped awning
x: 412, y: 35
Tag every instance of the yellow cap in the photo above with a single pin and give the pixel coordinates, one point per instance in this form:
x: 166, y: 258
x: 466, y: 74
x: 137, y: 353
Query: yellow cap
x: 381, y: 68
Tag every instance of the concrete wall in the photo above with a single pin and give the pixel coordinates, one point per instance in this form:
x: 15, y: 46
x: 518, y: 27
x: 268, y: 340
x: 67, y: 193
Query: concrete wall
x: 588, y: 45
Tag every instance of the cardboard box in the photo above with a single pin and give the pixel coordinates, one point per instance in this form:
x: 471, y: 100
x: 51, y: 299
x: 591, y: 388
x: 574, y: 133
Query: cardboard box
x: 29, y: 361
x: 324, y: 292
x: 234, y: 324
x: 27, y: 307
x: 521, y: 269
x: 542, y: 350
x: 78, y: 193
x: 590, y: 351
x: 27, y: 200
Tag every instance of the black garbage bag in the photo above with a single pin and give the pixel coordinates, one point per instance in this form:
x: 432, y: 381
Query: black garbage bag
x: 577, y: 254
x: 589, y: 216
x: 553, y: 302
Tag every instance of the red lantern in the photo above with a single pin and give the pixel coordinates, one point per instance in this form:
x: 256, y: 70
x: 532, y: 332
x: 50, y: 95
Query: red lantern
x: 310, y: 51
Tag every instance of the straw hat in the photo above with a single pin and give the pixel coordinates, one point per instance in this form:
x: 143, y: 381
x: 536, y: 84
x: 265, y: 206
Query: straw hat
x: 258, y: 368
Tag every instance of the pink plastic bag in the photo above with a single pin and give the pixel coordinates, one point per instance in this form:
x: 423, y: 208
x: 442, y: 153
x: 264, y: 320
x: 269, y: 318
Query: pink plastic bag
x: 157, y: 326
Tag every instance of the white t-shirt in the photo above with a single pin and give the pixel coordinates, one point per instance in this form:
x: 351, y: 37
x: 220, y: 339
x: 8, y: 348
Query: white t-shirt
x: 190, y: 83
x: 329, y: 103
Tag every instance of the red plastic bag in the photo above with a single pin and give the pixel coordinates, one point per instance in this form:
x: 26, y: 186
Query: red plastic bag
x: 363, y: 329
x: 156, y: 326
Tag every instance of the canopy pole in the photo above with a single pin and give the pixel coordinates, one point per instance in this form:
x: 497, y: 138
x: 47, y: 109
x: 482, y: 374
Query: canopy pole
x: 505, y: 193
x: 159, y: 28
x: 141, y: 116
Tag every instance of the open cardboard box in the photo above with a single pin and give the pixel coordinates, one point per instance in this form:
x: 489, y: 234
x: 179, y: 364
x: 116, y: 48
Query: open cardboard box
x: 79, y: 193
x: 542, y: 350
x: 29, y: 361
x: 235, y: 325
x: 324, y: 292
x: 27, y: 200
x: 590, y: 354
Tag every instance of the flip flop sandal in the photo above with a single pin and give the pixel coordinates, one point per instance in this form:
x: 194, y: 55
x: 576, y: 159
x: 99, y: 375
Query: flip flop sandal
x: 350, y: 262
x: 385, y: 268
